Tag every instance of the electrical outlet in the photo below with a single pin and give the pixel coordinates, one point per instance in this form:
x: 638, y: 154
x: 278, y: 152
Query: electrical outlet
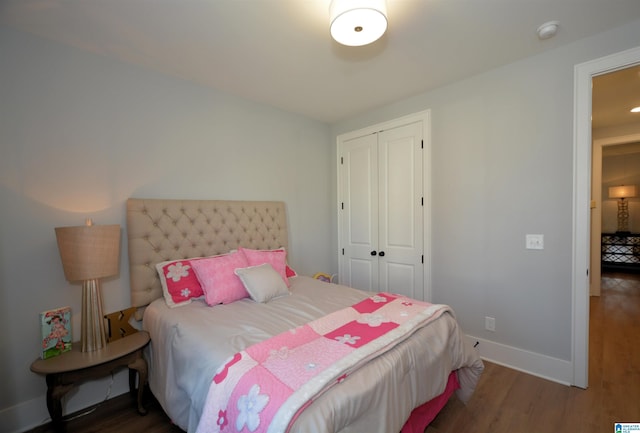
x: 490, y: 323
x: 535, y: 242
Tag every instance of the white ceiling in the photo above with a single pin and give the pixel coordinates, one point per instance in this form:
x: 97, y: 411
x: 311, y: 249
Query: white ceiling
x: 279, y: 52
x: 613, y: 96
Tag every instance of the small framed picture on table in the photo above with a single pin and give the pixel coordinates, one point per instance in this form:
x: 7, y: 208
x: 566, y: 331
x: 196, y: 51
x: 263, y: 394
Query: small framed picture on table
x: 56, y: 332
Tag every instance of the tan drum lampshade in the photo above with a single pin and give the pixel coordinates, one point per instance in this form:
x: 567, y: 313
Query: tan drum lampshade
x: 89, y: 253
x: 623, y: 191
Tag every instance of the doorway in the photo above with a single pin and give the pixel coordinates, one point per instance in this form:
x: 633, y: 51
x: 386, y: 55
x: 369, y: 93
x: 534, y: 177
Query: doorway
x: 616, y: 138
x: 583, y: 76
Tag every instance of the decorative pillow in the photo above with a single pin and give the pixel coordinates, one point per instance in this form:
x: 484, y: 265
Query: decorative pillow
x: 262, y: 282
x: 219, y: 282
x: 290, y: 272
x: 276, y: 258
x: 179, y: 282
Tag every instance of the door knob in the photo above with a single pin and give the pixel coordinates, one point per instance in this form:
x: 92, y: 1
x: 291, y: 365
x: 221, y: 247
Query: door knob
x: 373, y: 253
x: 381, y: 253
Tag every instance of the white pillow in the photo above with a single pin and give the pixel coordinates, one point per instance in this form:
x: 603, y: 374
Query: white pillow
x: 262, y: 282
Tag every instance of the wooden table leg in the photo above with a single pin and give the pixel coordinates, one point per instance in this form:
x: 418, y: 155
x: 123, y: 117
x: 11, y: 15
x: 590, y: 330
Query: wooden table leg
x: 138, y: 365
x: 55, y: 391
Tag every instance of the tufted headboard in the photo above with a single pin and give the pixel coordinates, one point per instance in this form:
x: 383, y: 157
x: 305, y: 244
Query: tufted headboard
x: 159, y: 230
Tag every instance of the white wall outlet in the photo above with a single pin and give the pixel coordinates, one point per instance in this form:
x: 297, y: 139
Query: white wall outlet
x: 490, y: 323
x: 535, y: 242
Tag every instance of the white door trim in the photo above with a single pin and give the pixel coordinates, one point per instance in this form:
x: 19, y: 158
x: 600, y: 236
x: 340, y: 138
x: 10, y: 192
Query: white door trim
x: 582, y: 144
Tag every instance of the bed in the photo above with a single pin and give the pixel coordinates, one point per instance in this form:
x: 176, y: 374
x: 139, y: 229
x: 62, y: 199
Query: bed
x: 192, y: 342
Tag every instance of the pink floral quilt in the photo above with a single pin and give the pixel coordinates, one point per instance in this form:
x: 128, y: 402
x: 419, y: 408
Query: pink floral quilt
x: 265, y: 387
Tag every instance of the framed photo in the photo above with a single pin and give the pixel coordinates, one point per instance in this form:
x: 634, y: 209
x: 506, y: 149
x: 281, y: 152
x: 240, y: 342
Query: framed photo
x: 56, y: 331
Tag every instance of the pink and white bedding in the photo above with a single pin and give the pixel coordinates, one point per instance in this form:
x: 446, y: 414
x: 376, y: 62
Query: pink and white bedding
x: 191, y: 343
x: 265, y: 386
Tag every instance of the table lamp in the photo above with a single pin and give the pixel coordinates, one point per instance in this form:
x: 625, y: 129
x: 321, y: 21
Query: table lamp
x: 88, y: 253
x: 621, y: 193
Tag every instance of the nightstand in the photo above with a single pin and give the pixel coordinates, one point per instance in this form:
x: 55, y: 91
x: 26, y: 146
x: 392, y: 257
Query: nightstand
x: 69, y: 369
x: 621, y: 252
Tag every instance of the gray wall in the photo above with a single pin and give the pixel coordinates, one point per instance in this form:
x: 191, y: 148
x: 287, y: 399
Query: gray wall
x: 502, y: 167
x: 79, y: 134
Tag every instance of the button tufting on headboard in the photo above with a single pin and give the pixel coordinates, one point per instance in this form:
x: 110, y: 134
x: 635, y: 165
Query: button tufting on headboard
x: 160, y: 230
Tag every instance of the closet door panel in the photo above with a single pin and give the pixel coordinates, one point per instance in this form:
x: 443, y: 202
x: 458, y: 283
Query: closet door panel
x: 359, y: 183
x: 399, y: 278
x: 360, y: 274
x: 400, y: 209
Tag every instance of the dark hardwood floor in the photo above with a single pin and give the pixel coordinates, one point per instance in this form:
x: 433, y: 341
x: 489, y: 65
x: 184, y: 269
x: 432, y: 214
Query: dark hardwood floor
x: 506, y: 401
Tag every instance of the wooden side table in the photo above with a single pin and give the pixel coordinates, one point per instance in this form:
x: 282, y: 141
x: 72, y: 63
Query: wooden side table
x: 67, y: 370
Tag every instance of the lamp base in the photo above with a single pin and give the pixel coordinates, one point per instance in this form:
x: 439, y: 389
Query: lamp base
x: 623, y: 216
x: 93, y: 330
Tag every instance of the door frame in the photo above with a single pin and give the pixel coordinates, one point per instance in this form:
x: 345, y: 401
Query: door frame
x: 582, y: 148
x: 425, y: 117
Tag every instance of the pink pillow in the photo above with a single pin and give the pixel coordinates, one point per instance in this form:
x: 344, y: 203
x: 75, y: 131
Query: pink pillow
x: 219, y: 282
x: 276, y: 258
x: 179, y: 282
x: 290, y: 272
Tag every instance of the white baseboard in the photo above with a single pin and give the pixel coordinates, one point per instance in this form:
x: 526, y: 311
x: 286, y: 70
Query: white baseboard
x: 546, y: 367
x: 32, y: 413
x: 24, y: 416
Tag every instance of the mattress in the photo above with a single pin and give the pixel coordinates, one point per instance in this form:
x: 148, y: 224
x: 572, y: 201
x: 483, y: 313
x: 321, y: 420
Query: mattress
x: 190, y: 343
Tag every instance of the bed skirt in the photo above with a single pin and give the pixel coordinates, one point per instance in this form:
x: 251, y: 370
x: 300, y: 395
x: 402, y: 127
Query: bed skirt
x: 422, y: 416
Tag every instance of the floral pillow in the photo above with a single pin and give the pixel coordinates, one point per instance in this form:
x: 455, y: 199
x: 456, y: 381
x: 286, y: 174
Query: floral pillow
x: 179, y: 282
x: 276, y: 258
x: 217, y: 276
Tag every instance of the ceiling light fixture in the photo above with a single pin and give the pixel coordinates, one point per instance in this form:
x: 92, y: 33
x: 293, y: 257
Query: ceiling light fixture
x: 635, y: 110
x: 548, y: 29
x: 357, y: 22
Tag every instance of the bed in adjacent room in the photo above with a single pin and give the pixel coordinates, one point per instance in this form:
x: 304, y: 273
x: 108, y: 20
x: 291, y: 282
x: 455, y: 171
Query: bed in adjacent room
x: 221, y: 304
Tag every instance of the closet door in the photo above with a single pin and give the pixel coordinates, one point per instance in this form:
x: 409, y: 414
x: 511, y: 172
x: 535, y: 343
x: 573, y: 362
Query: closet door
x: 381, y: 215
x: 400, y: 211
x: 359, y: 212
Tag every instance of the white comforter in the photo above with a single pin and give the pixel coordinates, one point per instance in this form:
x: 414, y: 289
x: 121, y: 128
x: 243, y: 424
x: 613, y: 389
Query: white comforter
x: 189, y: 343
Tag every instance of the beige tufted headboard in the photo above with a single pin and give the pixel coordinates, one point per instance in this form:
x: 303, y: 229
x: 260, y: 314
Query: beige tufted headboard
x: 160, y: 230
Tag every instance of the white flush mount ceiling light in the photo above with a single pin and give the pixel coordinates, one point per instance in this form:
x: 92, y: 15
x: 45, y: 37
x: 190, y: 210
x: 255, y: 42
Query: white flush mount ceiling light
x: 548, y: 29
x: 357, y: 22
x: 635, y: 110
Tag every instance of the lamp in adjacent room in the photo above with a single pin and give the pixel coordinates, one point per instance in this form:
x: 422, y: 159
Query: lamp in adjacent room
x: 357, y: 22
x: 88, y: 253
x: 622, y: 193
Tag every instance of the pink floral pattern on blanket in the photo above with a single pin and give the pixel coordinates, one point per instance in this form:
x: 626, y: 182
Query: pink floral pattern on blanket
x: 264, y: 388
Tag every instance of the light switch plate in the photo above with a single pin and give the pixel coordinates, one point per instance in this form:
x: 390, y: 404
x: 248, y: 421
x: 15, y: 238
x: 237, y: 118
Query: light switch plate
x: 490, y: 323
x: 535, y: 242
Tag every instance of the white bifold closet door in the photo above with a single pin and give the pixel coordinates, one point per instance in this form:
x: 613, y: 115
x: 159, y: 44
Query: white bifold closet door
x: 381, y: 210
